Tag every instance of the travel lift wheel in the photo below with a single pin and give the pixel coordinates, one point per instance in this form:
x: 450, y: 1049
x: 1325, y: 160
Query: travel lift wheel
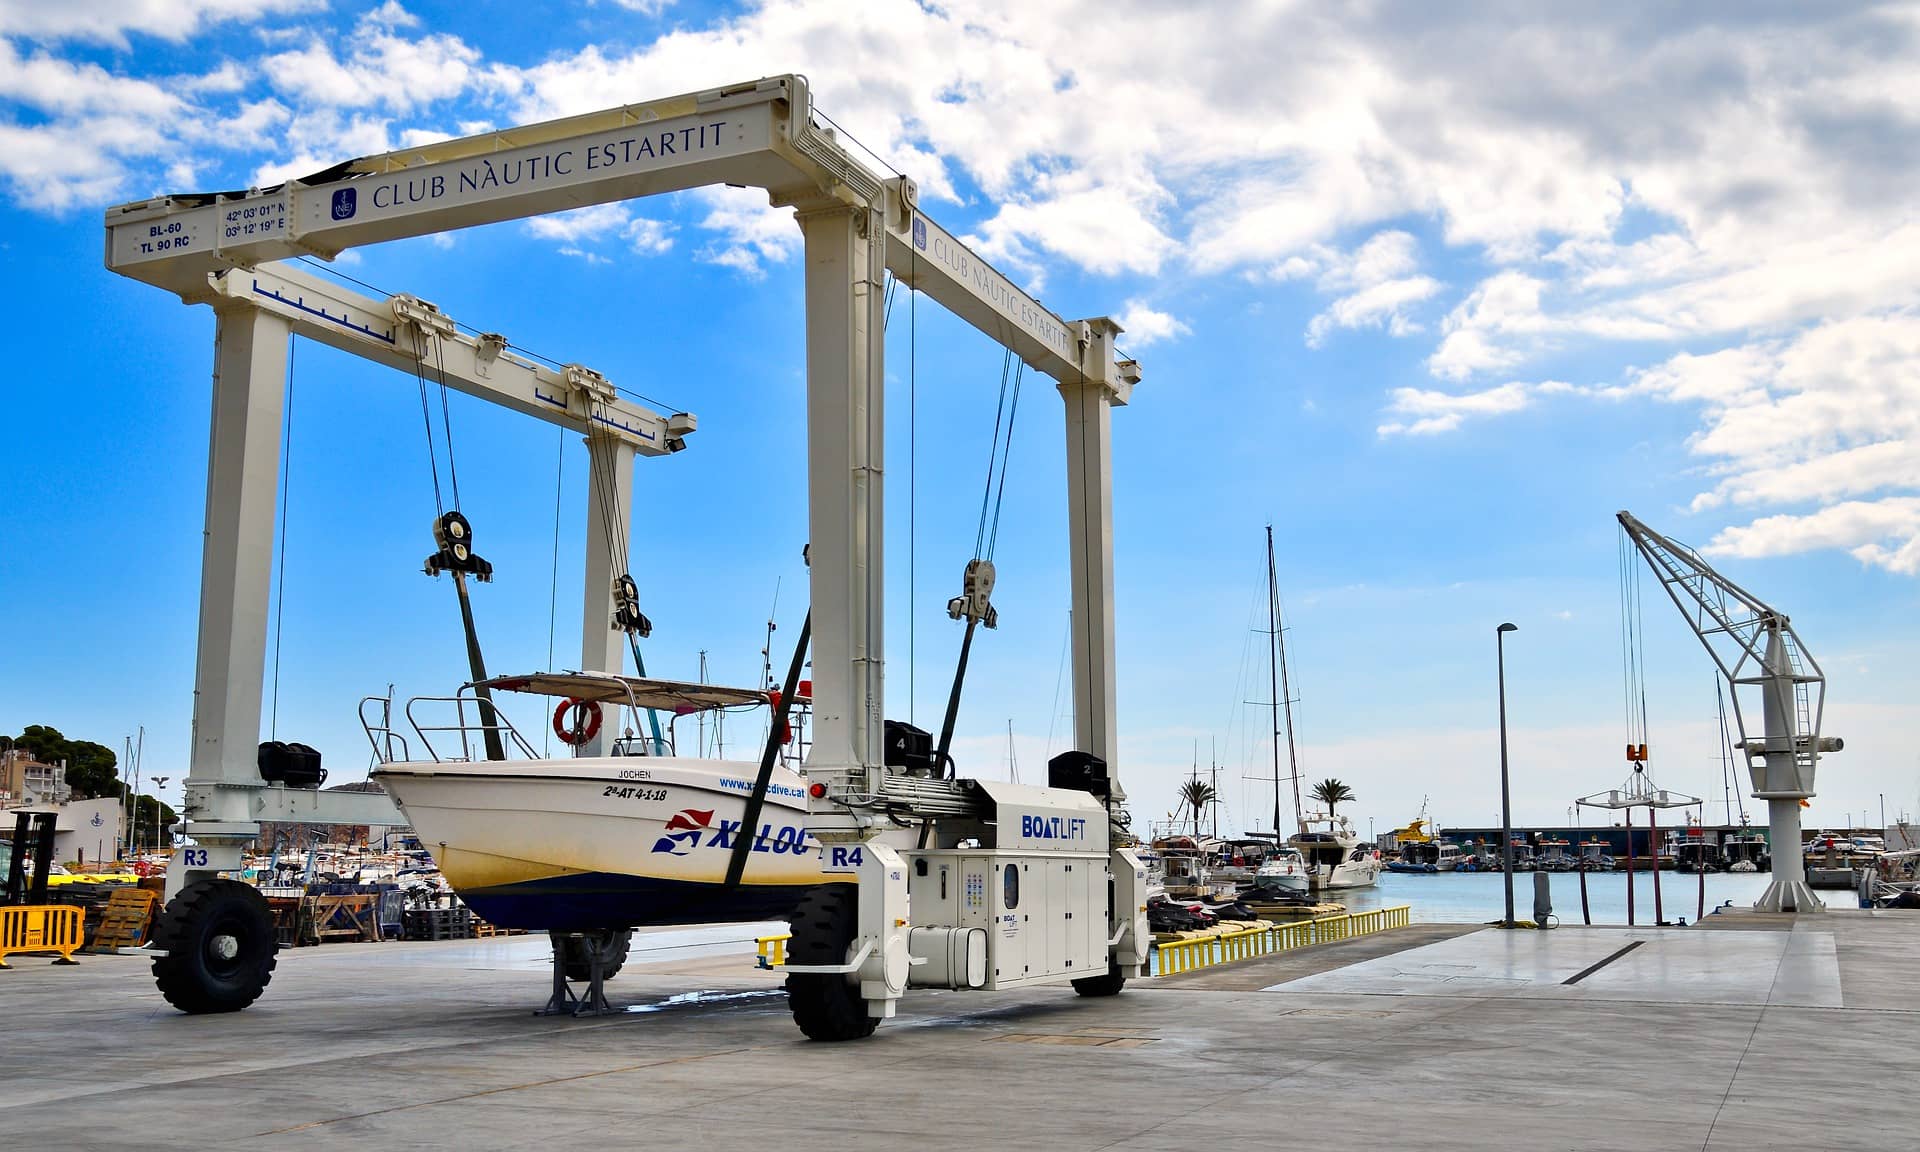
x: 826, y: 1006
x: 219, y: 947
x: 1108, y: 985
x: 575, y: 954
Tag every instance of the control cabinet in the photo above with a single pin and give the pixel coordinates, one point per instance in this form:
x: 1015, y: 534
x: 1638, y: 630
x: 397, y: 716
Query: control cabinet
x: 1044, y: 913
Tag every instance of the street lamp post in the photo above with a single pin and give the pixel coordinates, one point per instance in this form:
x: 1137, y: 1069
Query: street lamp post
x: 1506, y: 797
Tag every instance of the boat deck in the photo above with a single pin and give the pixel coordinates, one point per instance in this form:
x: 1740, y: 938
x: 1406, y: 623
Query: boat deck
x: 1716, y: 1039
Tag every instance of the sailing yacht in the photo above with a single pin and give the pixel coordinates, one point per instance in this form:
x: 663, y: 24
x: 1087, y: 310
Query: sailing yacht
x: 1334, y: 856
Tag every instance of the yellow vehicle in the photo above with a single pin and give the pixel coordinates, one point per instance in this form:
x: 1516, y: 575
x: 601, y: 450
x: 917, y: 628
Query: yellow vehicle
x: 60, y: 875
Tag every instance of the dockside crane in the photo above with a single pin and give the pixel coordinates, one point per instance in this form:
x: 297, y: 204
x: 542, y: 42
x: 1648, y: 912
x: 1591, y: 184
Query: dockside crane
x: 1756, y: 650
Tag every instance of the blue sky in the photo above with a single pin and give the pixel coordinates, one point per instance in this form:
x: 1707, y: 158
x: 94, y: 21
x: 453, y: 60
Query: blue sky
x: 1429, y: 300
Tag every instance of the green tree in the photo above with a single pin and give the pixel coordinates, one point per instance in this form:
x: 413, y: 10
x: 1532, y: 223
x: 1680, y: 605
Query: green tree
x: 92, y: 769
x: 1196, y: 794
x: 1331, y: 792
x: 151, y: 821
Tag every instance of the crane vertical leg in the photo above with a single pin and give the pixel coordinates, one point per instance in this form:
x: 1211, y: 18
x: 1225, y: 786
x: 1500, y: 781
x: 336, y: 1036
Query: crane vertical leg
x: 845, y: 321
x: 236, y: 569
x: 1783, y: 787
x: 1090, y: 527
x: 846, y: 315
x: 603, y: 648
x: 1095, y: 726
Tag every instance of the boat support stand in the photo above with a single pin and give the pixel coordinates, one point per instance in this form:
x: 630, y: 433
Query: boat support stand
x: 595, y: 947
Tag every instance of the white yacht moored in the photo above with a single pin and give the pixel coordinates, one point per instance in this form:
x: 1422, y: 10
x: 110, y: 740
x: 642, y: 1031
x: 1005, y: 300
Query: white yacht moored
x: 1335, y: 857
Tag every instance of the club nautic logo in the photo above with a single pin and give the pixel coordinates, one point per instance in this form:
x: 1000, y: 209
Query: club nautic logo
x: 683, y: 831
x: 692, y: 828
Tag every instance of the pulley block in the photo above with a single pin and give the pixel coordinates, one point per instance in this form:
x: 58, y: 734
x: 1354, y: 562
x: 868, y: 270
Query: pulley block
x: 627, y: 616
x: 454, y: 535
x: 976, y: 592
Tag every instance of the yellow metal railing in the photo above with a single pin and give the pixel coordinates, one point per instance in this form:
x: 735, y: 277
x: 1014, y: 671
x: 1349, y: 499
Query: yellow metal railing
x: 42, y: 928
x: 1177, y: 956
x: 772, y: 949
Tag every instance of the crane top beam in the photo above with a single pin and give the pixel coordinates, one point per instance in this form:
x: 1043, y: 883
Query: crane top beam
x: 410, y: 335
x: 760, y: 134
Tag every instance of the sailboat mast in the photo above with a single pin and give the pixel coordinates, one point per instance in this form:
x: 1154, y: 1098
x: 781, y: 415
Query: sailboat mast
x: 1273, y: 685
x: 1286, y: 690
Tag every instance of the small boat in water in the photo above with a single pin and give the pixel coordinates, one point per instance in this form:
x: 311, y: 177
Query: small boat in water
x: 1747, y: 851
x: 1554, y: 855
x: 1693, y: 852
x: 1430, y: 858
x: 1283, y: 871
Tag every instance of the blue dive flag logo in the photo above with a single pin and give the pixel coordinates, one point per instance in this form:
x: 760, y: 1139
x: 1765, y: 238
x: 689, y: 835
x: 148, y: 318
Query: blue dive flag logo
x: 344, y: 204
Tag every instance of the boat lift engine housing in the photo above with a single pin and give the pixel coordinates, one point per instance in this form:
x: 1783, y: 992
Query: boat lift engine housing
x: 1025, y: 889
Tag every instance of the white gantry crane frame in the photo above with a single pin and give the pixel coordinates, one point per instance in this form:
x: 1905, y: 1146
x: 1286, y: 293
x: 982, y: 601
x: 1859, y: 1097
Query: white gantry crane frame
x: 226, y: 249
x: 1756, y: 649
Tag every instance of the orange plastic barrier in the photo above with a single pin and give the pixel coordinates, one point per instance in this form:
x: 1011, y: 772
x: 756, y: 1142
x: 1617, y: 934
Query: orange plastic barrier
x: 42, y: 928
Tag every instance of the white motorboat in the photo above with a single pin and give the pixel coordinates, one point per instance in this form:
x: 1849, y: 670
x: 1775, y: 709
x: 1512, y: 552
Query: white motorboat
x: 1335, y: 857
x: 1284, y: 870
x: 594, y: 842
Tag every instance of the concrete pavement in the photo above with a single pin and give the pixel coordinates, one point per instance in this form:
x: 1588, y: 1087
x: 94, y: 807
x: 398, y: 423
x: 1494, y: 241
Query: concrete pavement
x: 434, y: 1046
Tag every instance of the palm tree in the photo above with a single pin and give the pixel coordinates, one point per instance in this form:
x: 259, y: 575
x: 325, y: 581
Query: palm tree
x: 1331, y: 792
x: 1196, y: 794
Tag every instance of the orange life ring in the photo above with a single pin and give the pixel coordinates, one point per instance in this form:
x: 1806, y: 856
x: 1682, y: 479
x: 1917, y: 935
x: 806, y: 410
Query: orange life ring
x: 576, y: 721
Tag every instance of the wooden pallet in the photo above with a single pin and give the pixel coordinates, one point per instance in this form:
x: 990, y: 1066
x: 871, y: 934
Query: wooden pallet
x: 125, y: 921
x: 344, y: 918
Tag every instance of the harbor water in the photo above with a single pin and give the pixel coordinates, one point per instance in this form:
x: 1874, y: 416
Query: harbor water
x: 1477, y: 897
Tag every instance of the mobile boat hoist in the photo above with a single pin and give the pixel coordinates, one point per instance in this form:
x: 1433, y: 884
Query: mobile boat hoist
x: 944, y: 881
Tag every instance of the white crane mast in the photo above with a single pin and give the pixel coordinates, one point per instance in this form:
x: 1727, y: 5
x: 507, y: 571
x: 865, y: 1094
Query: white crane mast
x: 1755, y: 648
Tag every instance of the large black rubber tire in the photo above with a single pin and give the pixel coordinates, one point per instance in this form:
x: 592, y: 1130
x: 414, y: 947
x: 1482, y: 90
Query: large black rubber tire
x: 1108, y: 985
x: 220, y: 945
x: 574, y: 954
x: 826, y: 1007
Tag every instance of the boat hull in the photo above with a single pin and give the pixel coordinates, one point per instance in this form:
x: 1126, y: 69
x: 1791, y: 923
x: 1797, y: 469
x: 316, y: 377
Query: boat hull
x: 1349, y: 874
x: 608, y: 842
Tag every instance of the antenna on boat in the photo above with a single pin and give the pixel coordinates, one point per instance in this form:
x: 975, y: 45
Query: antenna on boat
x: 701, y: 740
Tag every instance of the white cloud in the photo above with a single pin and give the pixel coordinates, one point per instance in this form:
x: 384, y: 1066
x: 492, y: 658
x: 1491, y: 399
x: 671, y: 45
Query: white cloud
x: 1884, y: 532
x: 648, y: 237
x: 1146, y: 325
x: 581, y: 230
x: 1381, y: 285
x: 1702, y: 189
x: 753, y: 233
x: 592, y: 223
x: 386, y: 68
x: 1426, y: 412
x: 109, y: 21
x: 1829, y: 416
